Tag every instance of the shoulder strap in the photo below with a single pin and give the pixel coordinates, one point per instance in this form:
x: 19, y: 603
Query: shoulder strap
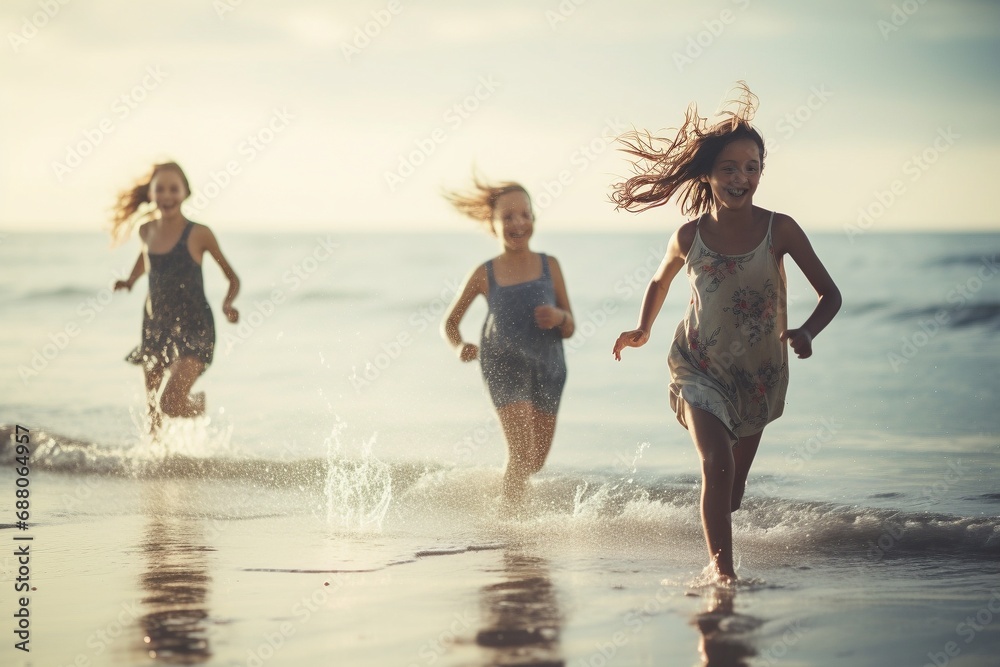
x: 489, y: 274
x: 545, y: 265
x: 695, y: 241
x: 186, y: 232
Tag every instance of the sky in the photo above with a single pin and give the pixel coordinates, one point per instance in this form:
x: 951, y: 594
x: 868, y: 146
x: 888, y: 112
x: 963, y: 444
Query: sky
x: 333, y: 115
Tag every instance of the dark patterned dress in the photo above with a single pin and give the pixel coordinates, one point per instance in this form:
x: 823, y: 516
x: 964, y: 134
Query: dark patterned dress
x: 177, y: 320
x: 726, y: 357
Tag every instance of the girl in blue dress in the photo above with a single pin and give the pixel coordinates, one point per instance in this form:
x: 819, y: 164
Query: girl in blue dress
x: 520, y: 351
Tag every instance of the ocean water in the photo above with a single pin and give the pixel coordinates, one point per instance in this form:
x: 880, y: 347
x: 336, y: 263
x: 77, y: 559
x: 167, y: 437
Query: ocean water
x: 336, y: 401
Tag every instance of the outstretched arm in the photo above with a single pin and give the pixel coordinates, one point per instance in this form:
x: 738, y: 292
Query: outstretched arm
x: 656, y: 291
x: 475, y: 284
x: 210, y: 244
x: 559, y: 316
x: 791, y: 239
x: 137, y: 271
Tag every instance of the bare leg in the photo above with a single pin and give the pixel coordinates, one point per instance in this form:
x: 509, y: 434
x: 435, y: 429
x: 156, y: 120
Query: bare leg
x: 529, y: 433
x: 743, y: 452
x: 517, y: 423
x: 176, y: 401
x: 154, y: 378
x: 715, y: 446
x: 543, y: 431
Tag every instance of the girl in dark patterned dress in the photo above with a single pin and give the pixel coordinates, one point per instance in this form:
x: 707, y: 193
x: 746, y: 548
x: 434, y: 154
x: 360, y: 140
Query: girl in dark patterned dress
x: 178, y: 330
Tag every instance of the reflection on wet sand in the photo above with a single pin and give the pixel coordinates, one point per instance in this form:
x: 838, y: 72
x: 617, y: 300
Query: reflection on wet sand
x: 725, y: 634
x: 176, y: 579
x: 521, y: 616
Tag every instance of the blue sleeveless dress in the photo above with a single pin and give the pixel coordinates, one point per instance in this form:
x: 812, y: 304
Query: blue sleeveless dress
x: 726, y: 357
x: 519, y: 360
x: 177, y: 320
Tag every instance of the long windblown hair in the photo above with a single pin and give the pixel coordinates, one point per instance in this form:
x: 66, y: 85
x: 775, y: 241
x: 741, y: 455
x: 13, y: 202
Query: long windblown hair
x: 133, y: 203
x: 665, y: 167
x: 480, y: 200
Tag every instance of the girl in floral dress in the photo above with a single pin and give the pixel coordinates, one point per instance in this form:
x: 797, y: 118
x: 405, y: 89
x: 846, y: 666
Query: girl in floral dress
x: 728, y: 361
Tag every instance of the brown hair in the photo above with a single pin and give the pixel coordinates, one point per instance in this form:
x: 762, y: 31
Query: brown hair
x: 132, y: 199
x: 660, y: 173
x: 480, y: 201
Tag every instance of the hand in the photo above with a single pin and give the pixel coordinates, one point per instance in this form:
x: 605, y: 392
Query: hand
x: 800, y: 340
x: 231, y: 313
x: 549, y: 317
x: 123, y: 284
x: 468, y: 352
x: 634, y: 338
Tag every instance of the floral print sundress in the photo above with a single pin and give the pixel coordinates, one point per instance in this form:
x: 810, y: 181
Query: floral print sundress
x: 726, y: 357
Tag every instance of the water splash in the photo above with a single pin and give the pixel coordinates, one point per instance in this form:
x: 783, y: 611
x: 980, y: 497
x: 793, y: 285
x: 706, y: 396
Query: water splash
x: 611, y: 498
x: 193, y: 438
x: 634, y: 466
x: 358, y: 490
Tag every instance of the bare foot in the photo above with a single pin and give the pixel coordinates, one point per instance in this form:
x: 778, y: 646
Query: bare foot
x: 723, y: 574
x: 726, y: 579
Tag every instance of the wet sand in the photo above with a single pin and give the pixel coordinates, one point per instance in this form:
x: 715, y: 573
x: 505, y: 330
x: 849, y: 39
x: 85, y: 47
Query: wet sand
x: 137, y: 572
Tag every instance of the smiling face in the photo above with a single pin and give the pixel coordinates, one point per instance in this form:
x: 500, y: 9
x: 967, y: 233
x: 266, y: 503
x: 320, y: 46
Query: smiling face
x: 735, y: 175
x: 168, y: 189
x: 513, y: 221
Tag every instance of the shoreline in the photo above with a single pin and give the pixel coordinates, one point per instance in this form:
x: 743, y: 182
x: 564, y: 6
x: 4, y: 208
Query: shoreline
x: 161, y: 566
